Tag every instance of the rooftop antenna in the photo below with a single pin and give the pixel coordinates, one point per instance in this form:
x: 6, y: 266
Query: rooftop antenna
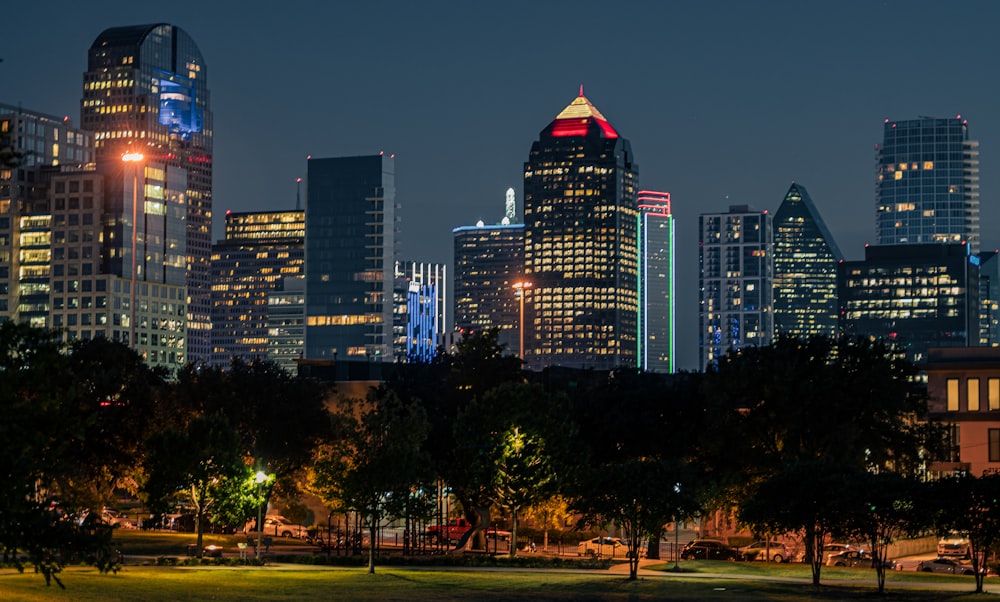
x: 581, y: 89
x: 298, y: 194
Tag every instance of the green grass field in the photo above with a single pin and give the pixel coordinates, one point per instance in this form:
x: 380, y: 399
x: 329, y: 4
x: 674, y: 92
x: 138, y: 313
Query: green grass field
x: 294, y: 582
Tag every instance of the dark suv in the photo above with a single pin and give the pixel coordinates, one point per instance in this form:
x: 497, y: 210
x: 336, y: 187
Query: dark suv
x: 708, y: 549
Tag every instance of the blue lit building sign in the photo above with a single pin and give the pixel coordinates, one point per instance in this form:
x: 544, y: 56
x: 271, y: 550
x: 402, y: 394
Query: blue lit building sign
x: 178, y: 105
x: 421, y: 322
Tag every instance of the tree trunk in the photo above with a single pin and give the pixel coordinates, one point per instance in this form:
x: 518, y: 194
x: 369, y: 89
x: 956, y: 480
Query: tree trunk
x: 513, y: 533
x: 372, y: 529
x: 199, y: 515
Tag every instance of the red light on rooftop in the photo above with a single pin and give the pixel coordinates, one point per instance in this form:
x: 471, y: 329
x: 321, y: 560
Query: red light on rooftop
x: 298, y: 180
x: 887, y: 120
x: 229, y: 212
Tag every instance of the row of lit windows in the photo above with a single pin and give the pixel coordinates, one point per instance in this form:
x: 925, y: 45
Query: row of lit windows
x: 344, y: 320
x: 973, y: 396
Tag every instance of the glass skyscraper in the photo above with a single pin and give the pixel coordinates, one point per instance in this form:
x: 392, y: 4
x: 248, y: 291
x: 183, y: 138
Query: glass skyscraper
x: 805, y: 269
x: 350, y: 262
x: 580, y: 244
x: 145, y: 91
x: 927, y: 187
x: 735, y: 255
x: 656, y: 283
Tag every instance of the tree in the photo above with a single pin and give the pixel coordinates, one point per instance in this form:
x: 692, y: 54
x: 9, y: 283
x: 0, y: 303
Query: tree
x: 446, y: 388
x: 375, y: 460
x: 547, y: 514
x: 971, y: 506
x: 844, y: 403
x: 631, y: 470
x: 196, y: 463
x: 41, y: 518
x: 885, y: 507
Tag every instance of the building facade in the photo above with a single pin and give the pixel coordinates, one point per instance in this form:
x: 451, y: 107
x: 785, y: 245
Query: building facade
x: 145, y: 92
x: 963, y: 388
x: 736, y: 282
x: 286, y: 323
x: 488, y: 261
x: 912, y: 297
x: 989, y: 298
x: 29, y: 141
x: 421, y: 310
x: 805, y: 269
x: 927, y: 183
x: 580, y: 244
x: 350, y: 258
x: 656, y: 283
x: 260, y: 250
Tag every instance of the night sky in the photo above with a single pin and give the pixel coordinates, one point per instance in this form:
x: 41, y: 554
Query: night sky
x: 723, y: 102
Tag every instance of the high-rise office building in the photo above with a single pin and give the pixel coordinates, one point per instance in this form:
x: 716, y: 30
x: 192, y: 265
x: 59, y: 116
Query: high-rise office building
x: 580, y: 244
x: 805, y: 269
x: 656, y: 283
x: 259, y: 251
x: 286, y: 322
x: 145, y: 91
x: 927, y: 187
x: 989, y: 298
x: 350, y: 258
x: 736, y: 282
x: 29, y: 141
x: 489, y: 260
x: 912, y: 296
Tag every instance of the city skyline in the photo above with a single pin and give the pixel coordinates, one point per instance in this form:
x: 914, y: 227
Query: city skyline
x: 724, y: 103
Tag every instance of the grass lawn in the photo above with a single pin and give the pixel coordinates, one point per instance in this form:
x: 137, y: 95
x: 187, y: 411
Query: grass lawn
x: 133, y: 542
x: 291, y: 582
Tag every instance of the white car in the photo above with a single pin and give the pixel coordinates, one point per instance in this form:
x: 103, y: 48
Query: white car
x: 761, y: 550
x: 278, y: 526
x: 954, y: 545
x: 605, y: 547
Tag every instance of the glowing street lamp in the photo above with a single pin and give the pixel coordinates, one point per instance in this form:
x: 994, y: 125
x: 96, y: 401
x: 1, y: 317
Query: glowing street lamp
x: 521, y: 286
x: 135, y: 159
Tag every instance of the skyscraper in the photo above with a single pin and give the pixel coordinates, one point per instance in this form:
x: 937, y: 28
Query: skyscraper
x: 912, y: 296
x: 260, y: 250
x: 489, y: 260
x: 145, y: 91
x: 927, y: 187
x: 420, y: 310
x: 805, y: 269
x: 736, y: 281
x: 350, y: 255
x: 580, y: 243
x: 656, y: 282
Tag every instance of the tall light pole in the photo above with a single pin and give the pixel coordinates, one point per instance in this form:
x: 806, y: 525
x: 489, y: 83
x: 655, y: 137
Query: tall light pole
x: 135, y: 159
x: 260, y: 478
x: 677, y: 549
x: 521, y: 286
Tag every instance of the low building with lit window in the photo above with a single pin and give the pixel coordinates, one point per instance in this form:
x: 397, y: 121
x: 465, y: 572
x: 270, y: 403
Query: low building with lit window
x: 912, y: 297
x: 963, y: 386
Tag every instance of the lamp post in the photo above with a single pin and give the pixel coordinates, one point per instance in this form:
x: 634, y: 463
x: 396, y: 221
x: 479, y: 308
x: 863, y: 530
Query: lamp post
x: 521, y: 286
x: 261, y: 478
x: 134, y: 159
x: 677, y: 526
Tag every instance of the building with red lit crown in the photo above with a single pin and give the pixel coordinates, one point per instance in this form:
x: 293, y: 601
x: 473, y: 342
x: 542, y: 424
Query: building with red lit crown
x: 580, y: 244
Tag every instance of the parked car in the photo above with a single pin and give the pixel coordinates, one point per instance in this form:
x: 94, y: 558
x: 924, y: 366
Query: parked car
x: 832, y: 549
x: 451, y: 531
x: 279, y: 526
x: 949, y: 566
x: 764, y: 550
x: 708, y: 549
x: 605, y: 547
x: 858, y: 558
x: 116, y: 519
x: 954, y: 545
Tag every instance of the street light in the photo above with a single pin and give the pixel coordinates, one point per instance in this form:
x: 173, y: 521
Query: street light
x: 520, y: 286
x: 260, y: 478
x: 677, y: 550
x: 135, y: 159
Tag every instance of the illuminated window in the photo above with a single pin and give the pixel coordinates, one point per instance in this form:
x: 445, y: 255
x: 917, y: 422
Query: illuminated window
x: 994, y: 437
x: 952, y: 394
x: 898, y: 175
x: 972, y: 386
